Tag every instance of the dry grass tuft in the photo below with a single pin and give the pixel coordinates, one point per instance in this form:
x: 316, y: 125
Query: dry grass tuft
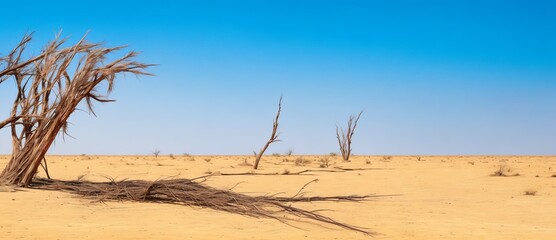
x: 530, y: 192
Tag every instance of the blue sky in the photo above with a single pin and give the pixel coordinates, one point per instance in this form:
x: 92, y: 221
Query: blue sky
x: 434, y: 77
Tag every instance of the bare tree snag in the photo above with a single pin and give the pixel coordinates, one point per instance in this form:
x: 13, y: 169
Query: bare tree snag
x: 49, y: 88
x: 273, y: 136
x: 345, y: 136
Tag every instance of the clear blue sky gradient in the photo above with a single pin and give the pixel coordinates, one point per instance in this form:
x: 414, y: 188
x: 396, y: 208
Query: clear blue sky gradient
x: 441, y: 77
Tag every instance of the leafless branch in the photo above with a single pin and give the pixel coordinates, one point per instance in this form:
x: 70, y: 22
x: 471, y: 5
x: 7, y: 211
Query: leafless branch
x: 273, y: 136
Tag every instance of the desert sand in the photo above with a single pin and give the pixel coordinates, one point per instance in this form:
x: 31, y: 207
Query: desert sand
x: 437, y: 197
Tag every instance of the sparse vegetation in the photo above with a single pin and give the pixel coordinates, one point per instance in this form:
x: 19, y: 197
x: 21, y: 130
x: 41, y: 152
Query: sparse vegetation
x: 49, y: 91
x: 386, y: 158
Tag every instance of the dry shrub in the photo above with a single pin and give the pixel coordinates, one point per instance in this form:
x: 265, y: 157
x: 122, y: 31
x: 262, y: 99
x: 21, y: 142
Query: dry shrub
x: 301, y: 161
x: 530, y: 192
x: 504, y: 171
x: 324, y: 162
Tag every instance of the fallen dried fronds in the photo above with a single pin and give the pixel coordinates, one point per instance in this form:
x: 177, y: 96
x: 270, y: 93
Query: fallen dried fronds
x: 191, y: 193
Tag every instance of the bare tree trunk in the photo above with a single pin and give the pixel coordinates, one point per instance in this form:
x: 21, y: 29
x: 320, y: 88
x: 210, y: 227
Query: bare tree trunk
x: 48, y: 95
x: 344, y: 136
x: 273, y: 136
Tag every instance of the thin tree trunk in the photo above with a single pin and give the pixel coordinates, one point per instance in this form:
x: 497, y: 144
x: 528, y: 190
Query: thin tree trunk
x: 273, y: 136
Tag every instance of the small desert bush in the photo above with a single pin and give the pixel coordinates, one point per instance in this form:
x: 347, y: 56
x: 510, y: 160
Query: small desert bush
x: 386, y: 158
x: 301, y: 161
x: 530, y: 192
x: 504, y: 171
x: 324, y: 162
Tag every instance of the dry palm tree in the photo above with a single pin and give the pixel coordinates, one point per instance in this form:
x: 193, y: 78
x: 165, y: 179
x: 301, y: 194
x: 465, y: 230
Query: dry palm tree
x: 49, y: 88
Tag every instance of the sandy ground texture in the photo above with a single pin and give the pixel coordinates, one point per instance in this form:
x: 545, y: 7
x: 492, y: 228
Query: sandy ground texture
x: 440, y: 197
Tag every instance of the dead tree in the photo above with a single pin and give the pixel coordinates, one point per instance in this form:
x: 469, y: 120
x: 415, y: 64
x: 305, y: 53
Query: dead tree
x: 49, y: 88
x: 344, y: 136
x: 156, y: 153
x: 273, y: 136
